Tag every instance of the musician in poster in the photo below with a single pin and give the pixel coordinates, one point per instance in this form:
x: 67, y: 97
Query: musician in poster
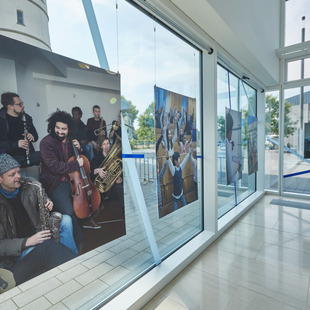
x: 252, y: 144
x: 17, y: 132
x: 233, y: 146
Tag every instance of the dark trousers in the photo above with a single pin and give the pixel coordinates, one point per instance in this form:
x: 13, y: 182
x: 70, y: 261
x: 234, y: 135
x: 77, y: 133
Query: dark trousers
x: 34, y: 159
x: 62, y: 200
x: 43, y: 257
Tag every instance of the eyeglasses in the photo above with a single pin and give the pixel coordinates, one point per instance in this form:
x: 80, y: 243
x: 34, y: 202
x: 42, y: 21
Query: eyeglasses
x: 19, y: 104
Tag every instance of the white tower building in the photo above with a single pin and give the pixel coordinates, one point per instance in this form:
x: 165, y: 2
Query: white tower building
x: 26, y: 21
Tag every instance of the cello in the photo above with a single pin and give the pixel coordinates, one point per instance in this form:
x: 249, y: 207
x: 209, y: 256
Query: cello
x: 86, y: 197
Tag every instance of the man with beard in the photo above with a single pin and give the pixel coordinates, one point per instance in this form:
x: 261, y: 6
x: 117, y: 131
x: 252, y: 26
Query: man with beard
x: 25, y: 249
x: 56, y: 148
x: 14, y: 122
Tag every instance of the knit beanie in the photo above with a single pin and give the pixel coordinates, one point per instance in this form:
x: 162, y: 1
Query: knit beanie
x: 7, y: 163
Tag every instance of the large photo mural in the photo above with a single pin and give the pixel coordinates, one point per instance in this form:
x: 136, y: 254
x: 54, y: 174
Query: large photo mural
x: 61, y: 174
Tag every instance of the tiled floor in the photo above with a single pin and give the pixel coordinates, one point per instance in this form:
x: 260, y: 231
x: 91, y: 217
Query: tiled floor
x: 261, y: 262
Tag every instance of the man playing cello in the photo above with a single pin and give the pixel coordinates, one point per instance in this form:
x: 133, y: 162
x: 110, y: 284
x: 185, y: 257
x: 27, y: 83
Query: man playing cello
x: 56, y: 148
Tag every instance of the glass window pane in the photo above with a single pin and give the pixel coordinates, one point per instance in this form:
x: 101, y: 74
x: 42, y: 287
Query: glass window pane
x: 247, y: 108
x: 168, y: 62
x: 272, y: 140
x: 299, y: 69
x: 20, y: 17
x: 295, y: 10
x: 146, y: 55
x: 296, y: 157
x: 240, y: 98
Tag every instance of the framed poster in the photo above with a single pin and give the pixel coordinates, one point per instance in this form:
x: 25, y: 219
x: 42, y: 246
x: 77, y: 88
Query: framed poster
x: 176, y: 153
x: 233, y: 146
x: 252, y: 144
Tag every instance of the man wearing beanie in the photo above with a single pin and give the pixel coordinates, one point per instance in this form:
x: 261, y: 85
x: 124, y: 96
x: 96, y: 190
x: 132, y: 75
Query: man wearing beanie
x: 25, y: 251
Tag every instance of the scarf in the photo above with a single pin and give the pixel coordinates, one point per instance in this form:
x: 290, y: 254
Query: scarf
x: 7, y: 194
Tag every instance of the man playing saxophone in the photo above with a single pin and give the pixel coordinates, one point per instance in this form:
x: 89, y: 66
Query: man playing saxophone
x: 17, y: 132
x: 25, y: 249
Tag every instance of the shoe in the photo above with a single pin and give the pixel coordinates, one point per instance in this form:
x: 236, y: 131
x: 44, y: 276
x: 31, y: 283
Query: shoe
x: 91, y: 224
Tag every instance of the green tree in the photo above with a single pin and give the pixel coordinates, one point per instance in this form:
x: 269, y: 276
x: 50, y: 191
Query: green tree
x: 221, y: 128
x: 146, y: 121
x: 132, y: 112
x: 272, y: 117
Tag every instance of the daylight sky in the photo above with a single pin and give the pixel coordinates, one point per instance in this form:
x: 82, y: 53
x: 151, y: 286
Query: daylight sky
x: 142, y: 58
x: 138, y: 63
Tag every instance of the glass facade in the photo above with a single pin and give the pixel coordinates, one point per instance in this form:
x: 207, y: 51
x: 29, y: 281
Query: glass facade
x: 147, y: 55
x: 233, y: 94
x: 286, y: 169
x: 162, y: 100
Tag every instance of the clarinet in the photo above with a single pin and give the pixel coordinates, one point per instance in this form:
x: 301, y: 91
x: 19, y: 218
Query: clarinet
x: 47, y: 221
x: 25, y: 137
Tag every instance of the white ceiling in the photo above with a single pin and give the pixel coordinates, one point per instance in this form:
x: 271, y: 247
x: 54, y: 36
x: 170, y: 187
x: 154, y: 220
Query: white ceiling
x: 248, y: 30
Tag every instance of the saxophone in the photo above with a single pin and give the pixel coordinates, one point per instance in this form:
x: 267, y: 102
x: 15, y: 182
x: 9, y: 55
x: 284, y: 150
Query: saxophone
x: 114, y: 167
x: 25, y: 137
x: 47, y: 221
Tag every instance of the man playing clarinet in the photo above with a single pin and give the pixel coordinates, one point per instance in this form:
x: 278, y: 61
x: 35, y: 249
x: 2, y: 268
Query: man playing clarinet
x: 17, y: 132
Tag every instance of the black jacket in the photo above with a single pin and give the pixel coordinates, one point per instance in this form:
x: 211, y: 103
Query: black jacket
x: 8, y: 146
x: 10, y: 245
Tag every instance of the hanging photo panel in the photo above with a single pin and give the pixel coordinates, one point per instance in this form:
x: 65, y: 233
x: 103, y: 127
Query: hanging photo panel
x: 306, y: 140
x: 233, y: 146
x: 252, y: 144
x: 176, y: 153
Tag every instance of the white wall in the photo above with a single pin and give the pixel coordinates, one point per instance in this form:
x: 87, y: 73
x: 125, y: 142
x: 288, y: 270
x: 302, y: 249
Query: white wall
x: 43, y: 94
x: 8, y: 80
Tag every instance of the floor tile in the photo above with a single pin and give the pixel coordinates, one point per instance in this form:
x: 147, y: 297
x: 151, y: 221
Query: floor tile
x: 288, y: 259
x: 195, y: 289
x: 245, y: 299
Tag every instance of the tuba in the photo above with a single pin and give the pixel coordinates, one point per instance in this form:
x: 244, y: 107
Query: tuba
x: 114, y: 125
x: 114, y: 167
x: 98, y: 131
